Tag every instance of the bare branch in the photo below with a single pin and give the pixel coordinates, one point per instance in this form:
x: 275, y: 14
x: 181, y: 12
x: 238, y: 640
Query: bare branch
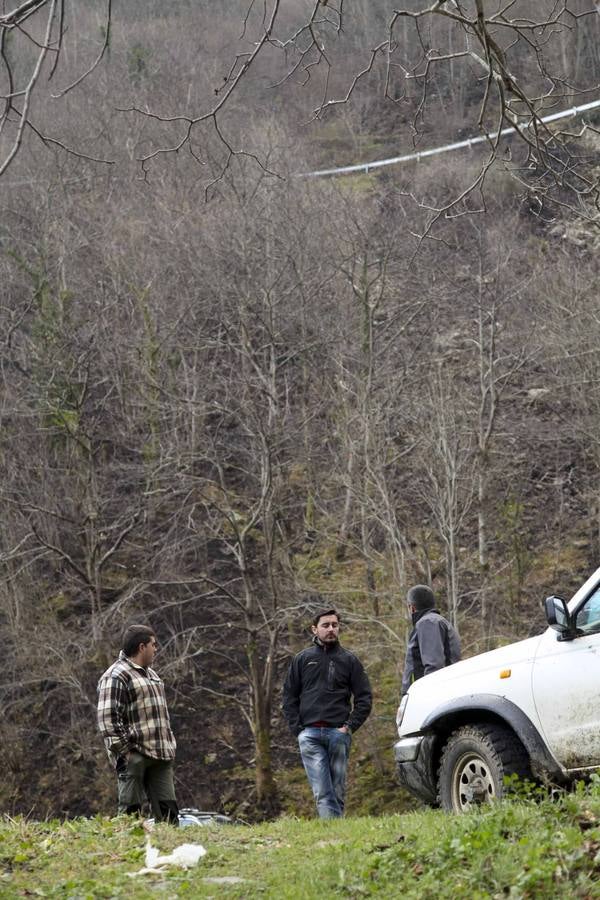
x: 97, y: 61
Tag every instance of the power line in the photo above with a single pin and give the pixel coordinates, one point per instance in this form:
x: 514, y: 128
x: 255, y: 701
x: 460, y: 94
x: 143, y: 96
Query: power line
x: 434, y: 151
x: 409, y: 157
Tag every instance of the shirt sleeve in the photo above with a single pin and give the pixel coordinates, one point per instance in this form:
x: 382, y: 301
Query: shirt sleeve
x: 291, y: 697
x: 431, y: 646
x: 362, y: 696
x: 112, y: 723
x: 408, y: 671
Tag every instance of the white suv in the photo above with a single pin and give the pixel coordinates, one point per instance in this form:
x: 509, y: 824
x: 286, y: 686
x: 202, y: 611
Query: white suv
x: 530, y: 709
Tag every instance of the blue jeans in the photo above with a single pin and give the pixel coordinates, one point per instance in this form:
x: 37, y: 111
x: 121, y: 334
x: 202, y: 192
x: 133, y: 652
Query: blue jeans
x: 325, y: 753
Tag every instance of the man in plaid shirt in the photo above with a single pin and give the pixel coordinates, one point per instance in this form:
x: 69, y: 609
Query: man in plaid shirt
x: 134, y: 721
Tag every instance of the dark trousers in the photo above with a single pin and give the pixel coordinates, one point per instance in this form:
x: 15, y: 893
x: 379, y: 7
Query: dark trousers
x: 140, y: 777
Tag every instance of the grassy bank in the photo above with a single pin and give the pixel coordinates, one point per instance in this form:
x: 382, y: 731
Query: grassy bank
x: 518, y: 849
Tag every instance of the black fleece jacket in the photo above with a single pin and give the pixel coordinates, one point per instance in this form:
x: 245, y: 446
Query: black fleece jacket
x: 319, y: 684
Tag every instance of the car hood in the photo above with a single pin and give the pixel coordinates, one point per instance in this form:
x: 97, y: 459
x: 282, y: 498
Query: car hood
x: 500, y: 658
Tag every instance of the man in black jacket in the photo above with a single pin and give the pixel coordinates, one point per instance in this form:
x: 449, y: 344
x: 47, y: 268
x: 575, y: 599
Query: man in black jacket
x: 316, y: 703
x: 433, y: 642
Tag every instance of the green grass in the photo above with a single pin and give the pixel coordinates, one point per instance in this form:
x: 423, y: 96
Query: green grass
x: 517, y: 849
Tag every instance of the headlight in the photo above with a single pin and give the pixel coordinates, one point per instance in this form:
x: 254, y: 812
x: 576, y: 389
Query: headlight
x: 400, y: 713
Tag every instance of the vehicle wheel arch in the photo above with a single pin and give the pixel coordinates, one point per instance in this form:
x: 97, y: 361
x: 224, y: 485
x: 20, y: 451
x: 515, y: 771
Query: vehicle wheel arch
x: 488, y: 710
x: 446, y: 724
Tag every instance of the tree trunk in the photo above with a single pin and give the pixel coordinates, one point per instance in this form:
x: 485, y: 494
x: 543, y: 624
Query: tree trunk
x: 340, y: 550
x: 262, y: 694
x: 266, y: 789
x: 487, y: 609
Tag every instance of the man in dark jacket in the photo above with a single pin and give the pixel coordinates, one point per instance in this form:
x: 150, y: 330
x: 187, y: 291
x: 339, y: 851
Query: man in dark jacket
x: 433, y: 642
x: 316, y: 703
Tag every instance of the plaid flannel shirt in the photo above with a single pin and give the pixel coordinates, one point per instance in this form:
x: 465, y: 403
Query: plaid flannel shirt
x: 132, y: 712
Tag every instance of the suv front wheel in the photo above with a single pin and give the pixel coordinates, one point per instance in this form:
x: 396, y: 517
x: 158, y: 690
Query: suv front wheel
x: 475, y: 761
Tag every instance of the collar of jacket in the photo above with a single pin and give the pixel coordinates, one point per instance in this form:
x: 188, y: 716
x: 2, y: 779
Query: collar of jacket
x: 124, y: 658
x: 422, y: 612
x: 320, y: 643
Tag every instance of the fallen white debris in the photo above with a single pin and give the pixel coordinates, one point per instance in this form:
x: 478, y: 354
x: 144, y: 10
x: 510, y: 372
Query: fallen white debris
x: 185, y: 856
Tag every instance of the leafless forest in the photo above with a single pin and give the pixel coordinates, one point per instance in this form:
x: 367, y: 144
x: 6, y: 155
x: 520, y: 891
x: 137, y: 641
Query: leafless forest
x: 225, y: 387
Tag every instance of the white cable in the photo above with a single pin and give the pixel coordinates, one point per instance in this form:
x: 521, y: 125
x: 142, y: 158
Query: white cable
x: 419, y: 154
x: 458, y: 145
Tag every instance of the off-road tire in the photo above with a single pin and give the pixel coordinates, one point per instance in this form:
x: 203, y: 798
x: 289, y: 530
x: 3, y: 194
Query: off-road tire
x: 474, y: 762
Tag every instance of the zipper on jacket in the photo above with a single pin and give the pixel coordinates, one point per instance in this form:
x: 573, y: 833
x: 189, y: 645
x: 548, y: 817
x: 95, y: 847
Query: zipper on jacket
x: 330, y: 675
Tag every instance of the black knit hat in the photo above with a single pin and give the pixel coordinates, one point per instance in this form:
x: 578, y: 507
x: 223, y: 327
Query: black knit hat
x: 421, y: 597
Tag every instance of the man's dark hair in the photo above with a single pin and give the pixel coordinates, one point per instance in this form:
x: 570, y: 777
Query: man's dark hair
x: 134, y: 636
x: 421, y: 597
x: 325, y: 612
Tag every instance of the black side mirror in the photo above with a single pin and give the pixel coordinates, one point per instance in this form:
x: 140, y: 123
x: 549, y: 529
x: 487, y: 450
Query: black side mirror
x: 558, y: 617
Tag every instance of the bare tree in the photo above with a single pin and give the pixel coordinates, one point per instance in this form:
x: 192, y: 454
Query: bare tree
x: 237, y: 448
x: 371, y: 371
x: 499, y: 363
x: 508, y: 58
x: 446, y: 466
x: 514, y: 64
x: 571, y: 338
x: 31, y: 45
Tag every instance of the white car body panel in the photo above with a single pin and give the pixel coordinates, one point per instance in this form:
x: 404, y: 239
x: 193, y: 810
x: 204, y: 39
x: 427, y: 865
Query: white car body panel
x: 477, y: 675
x: 556, y: 684
x: 566, y: 688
